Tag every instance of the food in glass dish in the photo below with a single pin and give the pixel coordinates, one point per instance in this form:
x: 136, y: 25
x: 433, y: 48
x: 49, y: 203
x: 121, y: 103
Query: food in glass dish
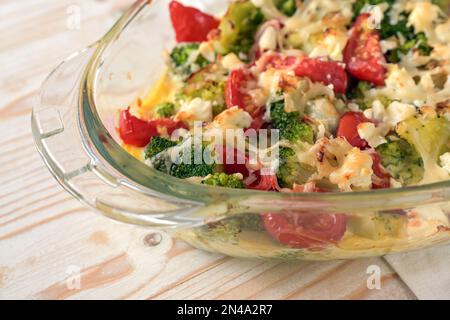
x: 352, y: 95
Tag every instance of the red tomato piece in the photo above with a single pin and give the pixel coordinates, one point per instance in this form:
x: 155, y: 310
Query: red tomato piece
x: 230, y: 158
x: 258, y: 119
x: 168, y: 124
x: 327, y: 72
x: 317, y: 70
x: 266, y: 182
x: 138, y: 132
x: 134, y: 131
x: 191, y: 24
x: 233, y: 96
x: 348, y: 129
x: 238, y: 81
x: 382, y: 178
x: 363, y: 56
x: 305, y: 230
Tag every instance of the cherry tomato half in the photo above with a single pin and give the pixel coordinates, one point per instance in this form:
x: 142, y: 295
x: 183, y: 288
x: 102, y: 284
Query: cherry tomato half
x: 238, y: 81
x: 363, y: 56
x: 138, y: 132
x: 233, y: 160
x: 190, y: 24
x: 233, y: 95
x: 305, y: 230
x: 134, y: 131
x: 317, y: 70
x: 266, y: 182
x: 348, y: 129
x: 326, y: 72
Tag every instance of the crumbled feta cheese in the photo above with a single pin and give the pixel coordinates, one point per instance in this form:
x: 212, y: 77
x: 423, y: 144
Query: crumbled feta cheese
x: 324, y: 111
x: 233, y: 118
x: 331, y: 45
x: 269, y: 39
x: 388, y: 44
x: 269, y: 80
x: 258, y: 3
x: 228, y: 125
x: 400, y: 85
x: 231, y: 62
x: 422, y: 16
x: 356, y: 171
x: 397, y: 112
x: 445, y: 161
x: 371, y: 134
x: 376, y: 14
x: 195, y: 110
x: 443, y: 32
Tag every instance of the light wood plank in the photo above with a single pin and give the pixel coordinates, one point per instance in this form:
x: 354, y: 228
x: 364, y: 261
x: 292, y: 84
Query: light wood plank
x: 45, y: 233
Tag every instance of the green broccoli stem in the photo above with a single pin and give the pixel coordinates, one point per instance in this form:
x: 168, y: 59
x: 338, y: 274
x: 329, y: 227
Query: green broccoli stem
x: 289, y: 125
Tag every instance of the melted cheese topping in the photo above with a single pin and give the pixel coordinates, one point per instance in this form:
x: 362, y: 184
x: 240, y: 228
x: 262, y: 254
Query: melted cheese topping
x: 445, y: 161
x: 373, y: 135
x: 233, y: 118
x: 355, y: 171
x: 319, y: 27
x: 195, y: 110
x: 423, y: 16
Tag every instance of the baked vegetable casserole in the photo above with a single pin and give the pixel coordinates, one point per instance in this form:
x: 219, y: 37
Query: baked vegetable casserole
x: 348, y: 96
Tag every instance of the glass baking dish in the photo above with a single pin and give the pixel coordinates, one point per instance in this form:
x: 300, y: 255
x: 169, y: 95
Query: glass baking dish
x: 74, y: 127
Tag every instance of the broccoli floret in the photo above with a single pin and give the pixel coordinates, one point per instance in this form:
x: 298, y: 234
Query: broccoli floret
x: 402, y: 161
x: 224, y: 180
x: 290, y: 170
x: 287, y: 7
x: 228, y: 230
x: 206, y: 84
x: 180, y: 58
x: 158, y: 145
x: 378, y: 226
x: 182, y: 169
x: 187, y: 169
x: 412, y: 40
x: 165, y: 110
x: 238, y: 27
x: 289, y: 125
x: 419, y: 43
x: 358, y: 95
x: 431, y: 139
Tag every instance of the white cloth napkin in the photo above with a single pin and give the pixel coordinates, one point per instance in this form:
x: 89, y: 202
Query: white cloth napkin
x: 426, y: 272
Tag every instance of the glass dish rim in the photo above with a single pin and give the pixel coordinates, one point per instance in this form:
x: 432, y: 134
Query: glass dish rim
x: 97, y: 149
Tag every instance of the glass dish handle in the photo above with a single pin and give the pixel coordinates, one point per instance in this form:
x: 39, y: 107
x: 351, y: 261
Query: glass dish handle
x: 57, y: 136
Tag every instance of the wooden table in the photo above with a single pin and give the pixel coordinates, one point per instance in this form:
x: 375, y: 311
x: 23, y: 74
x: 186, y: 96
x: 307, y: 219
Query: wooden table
x: 52, y: 247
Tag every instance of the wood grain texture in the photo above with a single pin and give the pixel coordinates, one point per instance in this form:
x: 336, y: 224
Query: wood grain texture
x: 47, y: 238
